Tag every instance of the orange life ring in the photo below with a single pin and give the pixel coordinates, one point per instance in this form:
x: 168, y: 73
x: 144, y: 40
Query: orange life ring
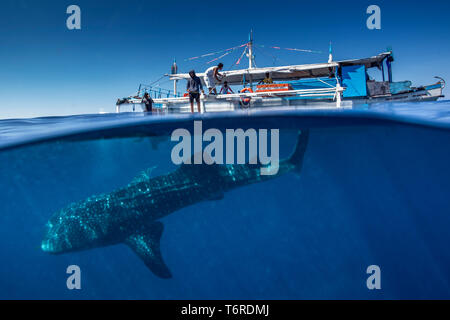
x: 246, y: 101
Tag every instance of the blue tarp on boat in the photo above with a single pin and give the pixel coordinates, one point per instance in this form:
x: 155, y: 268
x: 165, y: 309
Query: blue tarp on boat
x: 354, y: 80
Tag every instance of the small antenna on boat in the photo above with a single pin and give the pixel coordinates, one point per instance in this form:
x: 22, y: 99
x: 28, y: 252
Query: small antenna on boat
x: 330, y: 56
x: 174, y: 70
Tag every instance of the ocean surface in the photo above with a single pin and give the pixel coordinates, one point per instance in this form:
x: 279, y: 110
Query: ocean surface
x: 374, y: 190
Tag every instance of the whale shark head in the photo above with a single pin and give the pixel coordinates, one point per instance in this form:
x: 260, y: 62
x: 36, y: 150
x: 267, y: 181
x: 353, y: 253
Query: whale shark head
x: 57, y: 236
x: 66, y: 232
x: 83, y: 225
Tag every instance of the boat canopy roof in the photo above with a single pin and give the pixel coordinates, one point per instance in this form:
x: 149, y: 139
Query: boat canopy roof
x: 371, y: 62
x: 292, y: 72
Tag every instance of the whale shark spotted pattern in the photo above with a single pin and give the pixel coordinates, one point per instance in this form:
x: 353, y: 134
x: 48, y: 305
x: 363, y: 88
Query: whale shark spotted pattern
x: 130, y: 215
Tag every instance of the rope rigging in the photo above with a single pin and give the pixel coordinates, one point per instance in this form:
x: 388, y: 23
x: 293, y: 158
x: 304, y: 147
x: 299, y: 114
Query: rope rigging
x: 290, y: 49
x: 260, y: 48
x: 226, y: 52
x: 238, y: 61
x: 214, y: 53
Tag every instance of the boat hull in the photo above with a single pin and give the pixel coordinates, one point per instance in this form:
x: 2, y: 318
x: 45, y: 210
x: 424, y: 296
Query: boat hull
x: 214, y: 104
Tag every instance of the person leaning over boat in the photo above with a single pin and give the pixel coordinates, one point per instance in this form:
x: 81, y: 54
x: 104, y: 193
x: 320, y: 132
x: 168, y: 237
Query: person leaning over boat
x: 193, y: 87
x: 267, y: 79
x: 148, y: 101
x: 225, y: 89
x: 211, y: 76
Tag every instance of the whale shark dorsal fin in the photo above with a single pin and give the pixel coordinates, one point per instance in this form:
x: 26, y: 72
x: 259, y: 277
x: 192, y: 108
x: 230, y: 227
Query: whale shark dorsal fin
x: 143, y: 176
x: 146, y: 244
x: 296, y: 158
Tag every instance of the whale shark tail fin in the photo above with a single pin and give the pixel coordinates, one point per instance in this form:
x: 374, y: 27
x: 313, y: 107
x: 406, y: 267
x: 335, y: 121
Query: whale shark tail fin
x: 146, y: 244
x: 298, y: 155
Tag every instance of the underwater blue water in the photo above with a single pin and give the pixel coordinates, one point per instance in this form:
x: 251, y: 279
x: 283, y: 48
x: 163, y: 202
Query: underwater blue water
x: 374, y: 190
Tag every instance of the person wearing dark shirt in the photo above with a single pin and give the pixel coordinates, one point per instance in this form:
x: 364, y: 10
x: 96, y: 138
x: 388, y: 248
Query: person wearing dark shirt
x: 194, y: 86
x: 148, y: 101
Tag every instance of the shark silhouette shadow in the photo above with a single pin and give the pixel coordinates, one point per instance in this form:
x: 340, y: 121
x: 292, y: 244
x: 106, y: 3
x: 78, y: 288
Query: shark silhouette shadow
x: 130, y: 215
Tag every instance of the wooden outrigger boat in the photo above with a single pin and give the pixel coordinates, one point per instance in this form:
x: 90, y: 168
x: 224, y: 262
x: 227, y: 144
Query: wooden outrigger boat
x: 334, y: 84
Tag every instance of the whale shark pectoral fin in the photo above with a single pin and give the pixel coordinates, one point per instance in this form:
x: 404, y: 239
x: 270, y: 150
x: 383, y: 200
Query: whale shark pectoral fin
x: 146, y: 244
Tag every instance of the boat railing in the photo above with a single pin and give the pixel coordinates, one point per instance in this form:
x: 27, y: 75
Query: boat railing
x: 157, y: 92
x: 334, y: 93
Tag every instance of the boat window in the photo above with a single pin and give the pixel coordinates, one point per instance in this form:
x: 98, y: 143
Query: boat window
x: 374, y: 74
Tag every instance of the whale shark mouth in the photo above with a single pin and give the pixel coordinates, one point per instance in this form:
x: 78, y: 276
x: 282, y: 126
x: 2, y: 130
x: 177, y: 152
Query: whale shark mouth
x: 47, y: 246
x: 49, y: 243
x: 53, y: 246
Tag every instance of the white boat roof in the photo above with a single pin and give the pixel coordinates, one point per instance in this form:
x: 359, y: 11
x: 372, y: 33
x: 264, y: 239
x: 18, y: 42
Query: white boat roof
x: 277, y: 73
x: 292, y: 72
x: 371, y: 62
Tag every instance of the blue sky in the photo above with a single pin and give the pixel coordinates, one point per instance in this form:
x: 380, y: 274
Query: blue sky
x: 46, y: 69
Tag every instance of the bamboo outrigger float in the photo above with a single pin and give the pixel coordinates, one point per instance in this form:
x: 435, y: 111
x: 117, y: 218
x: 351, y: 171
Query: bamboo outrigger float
x: 334, y: 84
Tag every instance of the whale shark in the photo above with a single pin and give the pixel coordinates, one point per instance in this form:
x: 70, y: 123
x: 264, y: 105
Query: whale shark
x: 131, y: 215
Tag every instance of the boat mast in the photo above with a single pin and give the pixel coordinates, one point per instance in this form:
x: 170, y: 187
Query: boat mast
x: 251, y: 57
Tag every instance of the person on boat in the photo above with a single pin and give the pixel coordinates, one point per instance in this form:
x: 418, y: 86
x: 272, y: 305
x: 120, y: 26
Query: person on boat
x: 211, y: 76
x: 122, y: 101
x: 266, y: 80
x: 225, y: 89
x: 194, y: 86
x: 148, y: 101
